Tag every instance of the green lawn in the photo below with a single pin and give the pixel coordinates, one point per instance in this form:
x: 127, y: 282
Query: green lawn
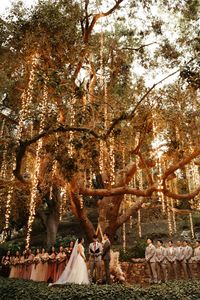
x: 28, y: 290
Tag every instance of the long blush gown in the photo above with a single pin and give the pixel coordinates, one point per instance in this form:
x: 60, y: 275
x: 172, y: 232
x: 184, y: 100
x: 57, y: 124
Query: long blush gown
x: 35, y: 273
x: 61, y: 264
x: 14, y: 273
x: 51, y: 274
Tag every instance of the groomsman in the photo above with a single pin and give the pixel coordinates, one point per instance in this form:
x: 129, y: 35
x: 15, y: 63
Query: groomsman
x: 95, y: 251
x: 180, y: 259
x: 150, y: 256
x: 188, y: 252
x: 196, y: 257
x: 161, y: 264
x: 106, y: 256
x: 171, y: 259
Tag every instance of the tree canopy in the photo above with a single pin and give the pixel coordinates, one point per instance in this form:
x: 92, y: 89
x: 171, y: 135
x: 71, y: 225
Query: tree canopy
x: 98, y: 100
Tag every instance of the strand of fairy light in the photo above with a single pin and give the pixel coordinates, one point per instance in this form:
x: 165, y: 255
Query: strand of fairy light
x: 4, y: 156
x: 4, y: 163
x: 2, y: 128
x: 172, y: 184
x: 123, y: 207
x: 158, y: 166
x: 33, y: 198
x: 101, y: 143
x: 170, y: 228
x: 27, y: 95
x: 112, y: 160
x: 72, y: 122
x: 196, y: 180
x: 63, y: 202
x: 191, y: 225
x: 140, y: 181
x: 26, y: 98
x: 9, y: 199
x: 160, y: 186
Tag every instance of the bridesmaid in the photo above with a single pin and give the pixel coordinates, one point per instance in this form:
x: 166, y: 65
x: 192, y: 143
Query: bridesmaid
x: 51, y: 275
x: 61, y: 262
x: 29, y: 263
x: 25, y: 264
x: 36, y: 269
x: 5, y: 262
x: 44, y: 260
x: 22, y: 265
x: 14, y: 273
x: 69, y: 249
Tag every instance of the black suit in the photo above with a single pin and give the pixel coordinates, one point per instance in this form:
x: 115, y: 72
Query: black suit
x: 106, y: 259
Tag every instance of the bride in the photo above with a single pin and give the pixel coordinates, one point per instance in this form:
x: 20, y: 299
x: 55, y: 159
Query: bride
x: 76, y: 269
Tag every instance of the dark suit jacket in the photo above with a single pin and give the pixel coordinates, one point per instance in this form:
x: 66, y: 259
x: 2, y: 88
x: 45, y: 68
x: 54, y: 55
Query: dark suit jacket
x: 106, y: 250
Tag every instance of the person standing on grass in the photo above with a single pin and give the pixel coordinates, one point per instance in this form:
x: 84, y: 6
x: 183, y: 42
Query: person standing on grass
x: 106, y: 256
x: 150, y: 256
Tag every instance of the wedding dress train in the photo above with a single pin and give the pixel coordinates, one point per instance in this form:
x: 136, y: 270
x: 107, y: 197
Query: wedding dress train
x: 76, y: 268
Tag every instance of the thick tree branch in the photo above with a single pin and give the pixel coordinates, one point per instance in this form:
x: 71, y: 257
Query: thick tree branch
x: 139, y: 48
x: 21, y: 149
x: 149, y: 175
x: 97, y: 17
x: 180, y: 165
x: 87, y: 32
x: 182, y: 196
x: 130, y: 113
x: 129, y: 212
x: 118, y: 191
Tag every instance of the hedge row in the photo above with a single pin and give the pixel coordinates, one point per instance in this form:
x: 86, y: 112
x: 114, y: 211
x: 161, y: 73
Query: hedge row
x: 29, y: 290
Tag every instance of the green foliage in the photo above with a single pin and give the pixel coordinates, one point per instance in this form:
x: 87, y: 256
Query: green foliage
x: 12, y: 246
x: 18, y: 289
x: 136, y: 251
x: 64, y: 241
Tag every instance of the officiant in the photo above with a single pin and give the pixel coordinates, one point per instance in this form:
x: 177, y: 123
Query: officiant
x: 95, y: 262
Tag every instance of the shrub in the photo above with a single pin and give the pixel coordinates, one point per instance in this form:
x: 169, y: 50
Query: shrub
x: 29, y: 290
x: 136, y: 251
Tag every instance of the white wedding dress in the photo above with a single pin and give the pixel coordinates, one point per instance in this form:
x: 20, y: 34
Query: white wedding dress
x: 76, y: 268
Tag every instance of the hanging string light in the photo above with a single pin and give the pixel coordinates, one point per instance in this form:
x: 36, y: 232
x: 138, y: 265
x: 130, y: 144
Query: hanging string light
x: 2, y: 128
x: 4, y: 163
x: 158, y: 155
x: 112, y: 160
x: 63, y: 203
x: 101, y: 156
x: 160, y: 194
x: 33, y: 197
x: 8, y: 200
x: 26, y: 98
x: 173, y: 216
x: 169, y: 219
x: 140, y: 183
x: 27, y: 95
x: 72, y: 122
x: 172, y: 211
x: 131, y: 222
x: 139, y: 224
x: 124, y: 227
x: 191, y: 225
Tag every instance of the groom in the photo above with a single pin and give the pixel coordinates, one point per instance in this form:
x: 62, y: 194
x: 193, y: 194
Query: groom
x: 106, y: 256
x: 95, y: 251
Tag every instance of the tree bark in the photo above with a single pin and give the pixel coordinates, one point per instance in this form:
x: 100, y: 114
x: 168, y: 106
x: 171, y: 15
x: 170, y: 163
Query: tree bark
x: 52, y: 224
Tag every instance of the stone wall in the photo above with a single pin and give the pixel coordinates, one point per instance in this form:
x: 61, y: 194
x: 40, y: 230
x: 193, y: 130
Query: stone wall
x: 137, y: 272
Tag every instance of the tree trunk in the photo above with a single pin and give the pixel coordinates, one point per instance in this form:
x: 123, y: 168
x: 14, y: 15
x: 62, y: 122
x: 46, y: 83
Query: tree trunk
x: 52, y: 224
